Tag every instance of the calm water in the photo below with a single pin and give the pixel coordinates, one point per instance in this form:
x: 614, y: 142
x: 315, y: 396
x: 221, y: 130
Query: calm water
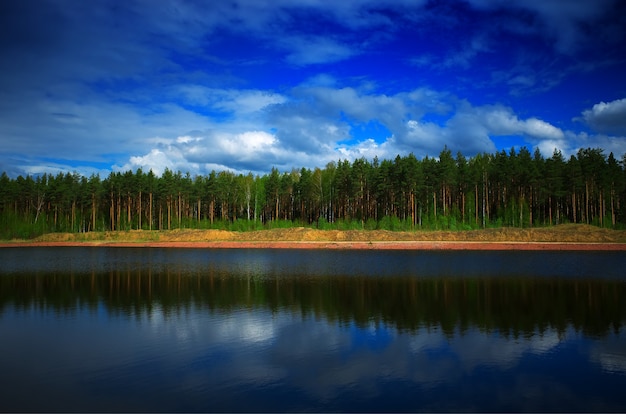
x: 124, y: 329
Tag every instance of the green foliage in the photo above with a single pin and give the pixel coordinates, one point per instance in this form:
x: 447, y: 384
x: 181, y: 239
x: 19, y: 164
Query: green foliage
x: 323, y: 224
x: 393, y: 223
x: 511, y: 188
x: 371, y: 224
x: 245, y: 225
x: 16, y: 227
x: 279, y: 224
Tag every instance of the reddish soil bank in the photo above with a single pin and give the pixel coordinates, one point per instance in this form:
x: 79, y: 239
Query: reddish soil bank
x: 374, y: 245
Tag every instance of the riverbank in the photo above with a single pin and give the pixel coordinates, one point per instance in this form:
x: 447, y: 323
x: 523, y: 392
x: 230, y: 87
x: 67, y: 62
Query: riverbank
x: 563, y: 237
x: 375, y: 245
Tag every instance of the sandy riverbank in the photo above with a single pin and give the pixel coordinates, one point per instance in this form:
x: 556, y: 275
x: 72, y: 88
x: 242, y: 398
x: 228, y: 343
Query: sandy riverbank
x: 376, y: 245
x: 564, y: 237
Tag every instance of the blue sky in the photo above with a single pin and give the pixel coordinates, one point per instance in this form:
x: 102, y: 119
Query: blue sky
x: 100, y: 86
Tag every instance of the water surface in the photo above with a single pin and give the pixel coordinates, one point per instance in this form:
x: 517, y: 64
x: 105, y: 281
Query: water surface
x: 125, y: 329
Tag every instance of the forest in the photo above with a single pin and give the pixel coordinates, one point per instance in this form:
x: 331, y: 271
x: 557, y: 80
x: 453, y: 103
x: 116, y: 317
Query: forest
x: 515, y: 188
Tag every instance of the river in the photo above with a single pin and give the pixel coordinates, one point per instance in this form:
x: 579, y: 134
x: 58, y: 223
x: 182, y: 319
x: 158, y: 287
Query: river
x: 223, y: 330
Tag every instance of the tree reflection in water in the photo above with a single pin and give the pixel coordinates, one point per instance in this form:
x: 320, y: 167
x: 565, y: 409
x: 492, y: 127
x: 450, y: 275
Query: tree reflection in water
x: 516, y: 306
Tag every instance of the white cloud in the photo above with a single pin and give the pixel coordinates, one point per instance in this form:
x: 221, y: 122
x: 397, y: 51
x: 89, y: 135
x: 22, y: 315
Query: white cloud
x: 424, y: 136
x: 464, y: 127
x: 467, y: 133
x: 248, y: 151
x: 158, y: 71
x: 575, y: 141
x: 502, y: 121
x: 471, y: 129
x: 607, y: 116
x: 158, y: 160
x: 247, y: 102
x: 196, y: 95
x: 367, y: 149
x: 307, y: 126
x: 240, y: 102
x: 312, y: 50
x: 186, y: 139
x: 547, y: 148
x: 540, y: 129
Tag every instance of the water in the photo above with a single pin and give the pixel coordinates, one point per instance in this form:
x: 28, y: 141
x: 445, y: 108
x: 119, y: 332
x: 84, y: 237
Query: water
x: 124, y: 329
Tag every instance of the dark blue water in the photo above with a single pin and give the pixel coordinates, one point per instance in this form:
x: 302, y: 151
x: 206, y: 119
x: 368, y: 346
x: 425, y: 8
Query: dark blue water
x: 106, y: 329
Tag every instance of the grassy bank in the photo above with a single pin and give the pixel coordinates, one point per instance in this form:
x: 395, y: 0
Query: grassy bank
x: 568, y: 233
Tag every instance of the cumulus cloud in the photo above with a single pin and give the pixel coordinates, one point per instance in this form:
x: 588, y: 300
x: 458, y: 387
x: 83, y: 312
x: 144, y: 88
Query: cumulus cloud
x: 483, y: 123
x: 321, y: 117
x: 313, y: 125
x: 368, y: 149
x: 472, y: 128
x: 574, y: 141
x: 247, y: 151
x: 540, y: 129
x: 502, y: 121
x: 158, y: 160
x: 607, y: 117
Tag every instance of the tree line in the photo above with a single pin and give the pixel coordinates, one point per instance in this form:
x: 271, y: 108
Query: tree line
x: 514, y: 188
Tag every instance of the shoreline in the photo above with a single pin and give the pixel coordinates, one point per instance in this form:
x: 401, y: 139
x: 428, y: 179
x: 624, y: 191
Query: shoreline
x: 338, y: 245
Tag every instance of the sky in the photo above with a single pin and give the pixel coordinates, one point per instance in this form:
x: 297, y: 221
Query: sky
x: 101, y: 86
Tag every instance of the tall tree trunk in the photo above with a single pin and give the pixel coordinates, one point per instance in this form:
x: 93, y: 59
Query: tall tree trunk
x: 485, y: 199
x: 476, y: 202
x: 550, y: 209
x: 587, y: 202
x: 413, y: 222
x: 180, y: 210
x: 612, y: 206
x: 128, y: 213
x: 169, y: 212
x: 443, y: 199
x: 602, y: 208
x: 40, y: 203
x: 112, y: 212
x: 93, y: 211
x: 119, y: 211
x: 199, y: 210
x: 530, y: 207
x: 139, y: 208
x: 463, y: 207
